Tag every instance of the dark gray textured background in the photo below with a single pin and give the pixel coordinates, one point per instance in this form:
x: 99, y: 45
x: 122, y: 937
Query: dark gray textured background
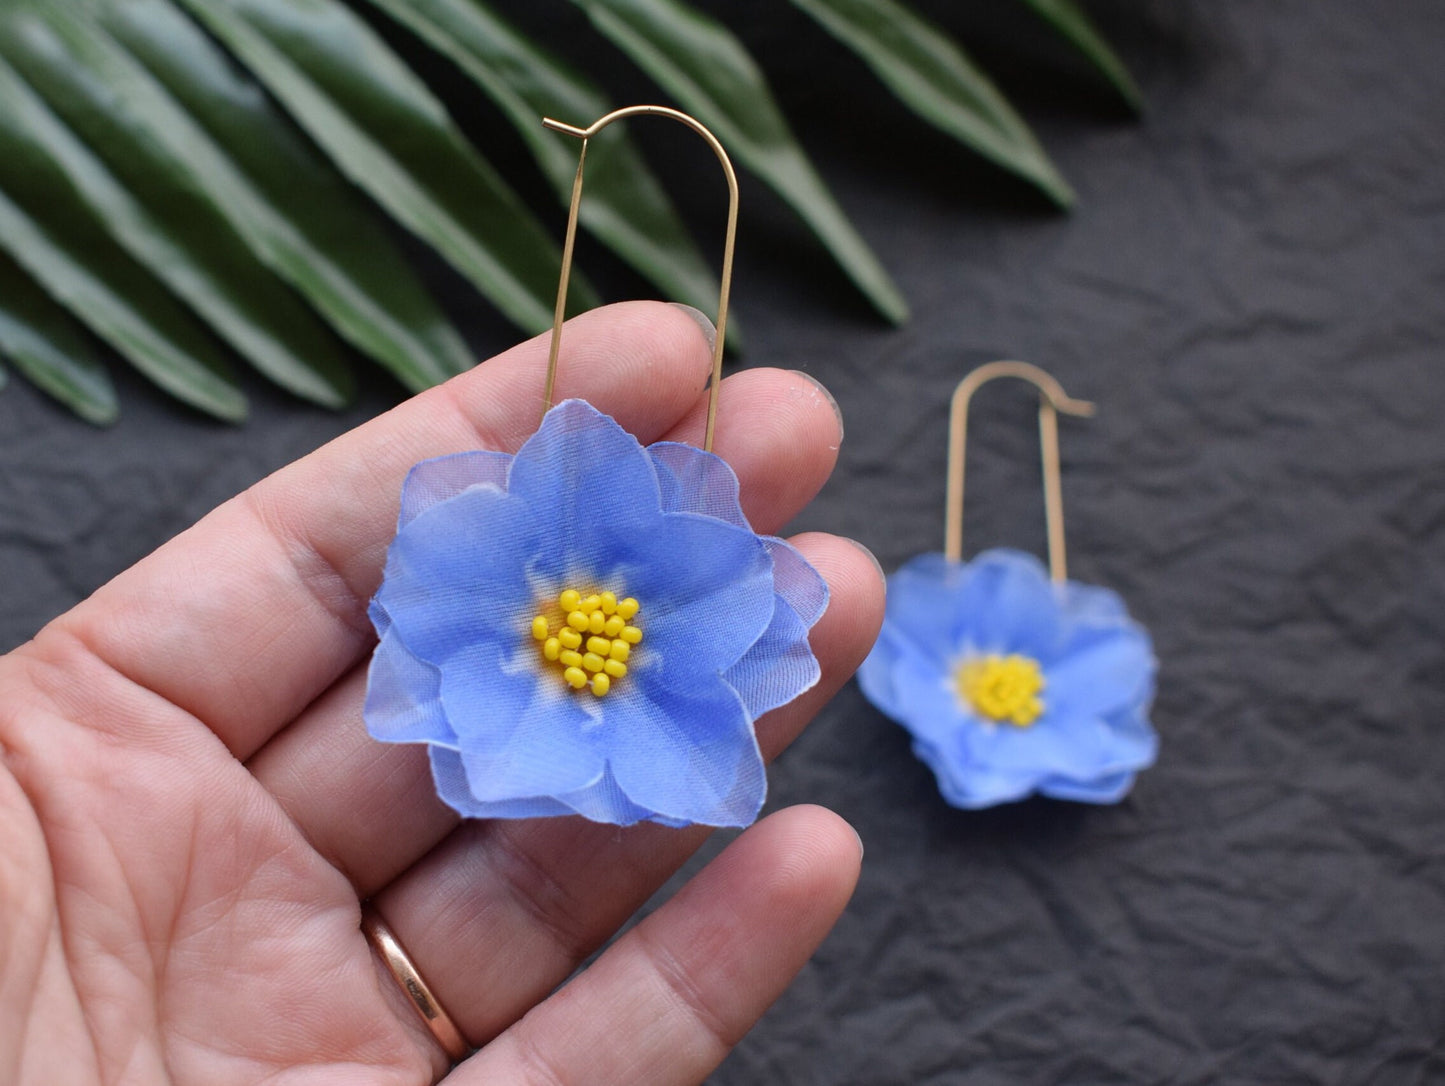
x: 1253, y: 290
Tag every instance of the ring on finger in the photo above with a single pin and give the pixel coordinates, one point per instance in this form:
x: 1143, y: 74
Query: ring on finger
x: 401, y: 967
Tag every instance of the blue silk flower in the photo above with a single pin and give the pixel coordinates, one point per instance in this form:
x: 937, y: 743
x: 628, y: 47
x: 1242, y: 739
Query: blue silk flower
x: 588, y: 627
x: 1011, y: 684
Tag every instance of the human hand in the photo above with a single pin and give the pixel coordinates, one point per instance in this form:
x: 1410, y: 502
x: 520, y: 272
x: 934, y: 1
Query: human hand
x: 192, y: 812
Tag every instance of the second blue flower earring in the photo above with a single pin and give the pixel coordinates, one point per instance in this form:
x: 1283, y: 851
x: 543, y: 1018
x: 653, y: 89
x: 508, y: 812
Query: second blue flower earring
x: 590, y: 626
x: 1012, y: 679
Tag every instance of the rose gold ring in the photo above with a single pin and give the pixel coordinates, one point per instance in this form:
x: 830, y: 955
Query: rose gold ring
x: 437, y: 1020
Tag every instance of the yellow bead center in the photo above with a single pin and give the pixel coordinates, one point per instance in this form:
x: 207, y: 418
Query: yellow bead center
x: 1002, y: 688
x: 589, y: 638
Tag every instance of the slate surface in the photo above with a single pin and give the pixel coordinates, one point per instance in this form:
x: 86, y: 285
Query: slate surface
x: 1251, y: 289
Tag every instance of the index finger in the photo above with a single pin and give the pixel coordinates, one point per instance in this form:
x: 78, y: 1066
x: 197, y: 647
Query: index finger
x: 245, y: 618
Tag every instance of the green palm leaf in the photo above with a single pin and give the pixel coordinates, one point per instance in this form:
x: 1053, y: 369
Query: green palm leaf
x: 151, y: 186
x: 703, y: 65
x: 933, y: 76
x: 625, y: 206
x: 182, y: 95
x: 393, y: 138
x: 51, y: 231
x: 49, y: 350
x: 166, y: 225
x: 1071, y: 21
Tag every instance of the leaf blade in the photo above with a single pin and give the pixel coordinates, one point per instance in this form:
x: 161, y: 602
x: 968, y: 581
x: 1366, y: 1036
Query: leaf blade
x: 625, y: 206
x: 52, y: 233
x: 728, y: 93
x: 297, y: 215
x: 46, y: 347
x: 164, y: 224
x: 1070, y: 20
x: 92, y: 277
x: 346, y: 87
x: 931, y: 74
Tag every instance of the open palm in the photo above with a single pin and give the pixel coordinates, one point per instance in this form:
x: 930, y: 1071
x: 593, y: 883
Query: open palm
x: 191, y: 811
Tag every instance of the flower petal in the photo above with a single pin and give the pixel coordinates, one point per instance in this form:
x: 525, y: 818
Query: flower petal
x: 1002, y: 601
x: 924, y: 607
x: 403, y: 697
x: 457, y: 574
x: 875, y: 674
x: 1107, y: 670
x: 795, y: 579
x: 434, y: 481
x: 911, y: 689
x: 1093, y: 605
x: 688, y: 755
x: 451, y: 782
x: 583, y: 471
x: 520, y: 733
x: 380, y: 617
x: 1078, y: 747
x: 1009, y: 605
x: 779, y: 666
x: 707, y: 595
x: 606, y: 802
x: 1107, y: 789
x: 1134, y: 742
x: 973, y: 786
x: 693, y: 481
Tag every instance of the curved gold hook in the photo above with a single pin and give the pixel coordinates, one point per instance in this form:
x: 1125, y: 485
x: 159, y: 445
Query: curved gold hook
x: 1052, y: 398
x: 584, y: 134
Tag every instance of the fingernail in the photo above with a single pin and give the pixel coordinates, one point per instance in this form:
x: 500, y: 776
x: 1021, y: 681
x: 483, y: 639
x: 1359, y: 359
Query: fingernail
x: 709, y: 332
x: 874, y: 559
x: 837, y: 411
x: 860, y: 840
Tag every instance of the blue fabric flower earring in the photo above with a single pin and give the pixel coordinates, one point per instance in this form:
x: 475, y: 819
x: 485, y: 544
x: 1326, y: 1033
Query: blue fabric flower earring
x: 1013, y: 680
x: 590, y: 626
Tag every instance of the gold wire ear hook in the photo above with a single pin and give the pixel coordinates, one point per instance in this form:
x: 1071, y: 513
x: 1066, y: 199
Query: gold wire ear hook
x: 586, y: 134
x: 1052, y: 398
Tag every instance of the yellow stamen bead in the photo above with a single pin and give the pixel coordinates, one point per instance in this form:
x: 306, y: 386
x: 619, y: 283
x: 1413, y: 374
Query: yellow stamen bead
x: 594, y: 642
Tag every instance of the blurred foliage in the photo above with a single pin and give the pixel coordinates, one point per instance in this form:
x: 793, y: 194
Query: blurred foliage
x: 187, y: 181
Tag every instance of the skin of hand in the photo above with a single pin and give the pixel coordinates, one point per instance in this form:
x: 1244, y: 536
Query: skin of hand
x: 191, y: 810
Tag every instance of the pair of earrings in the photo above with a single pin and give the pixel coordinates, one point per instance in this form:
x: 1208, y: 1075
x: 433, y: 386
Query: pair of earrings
x: 591, y: 626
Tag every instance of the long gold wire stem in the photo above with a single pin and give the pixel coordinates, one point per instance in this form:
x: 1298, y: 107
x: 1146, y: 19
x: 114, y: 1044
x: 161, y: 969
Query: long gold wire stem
x: 1052, y: 398
x: 727, y: 264
x: 559, y: 311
